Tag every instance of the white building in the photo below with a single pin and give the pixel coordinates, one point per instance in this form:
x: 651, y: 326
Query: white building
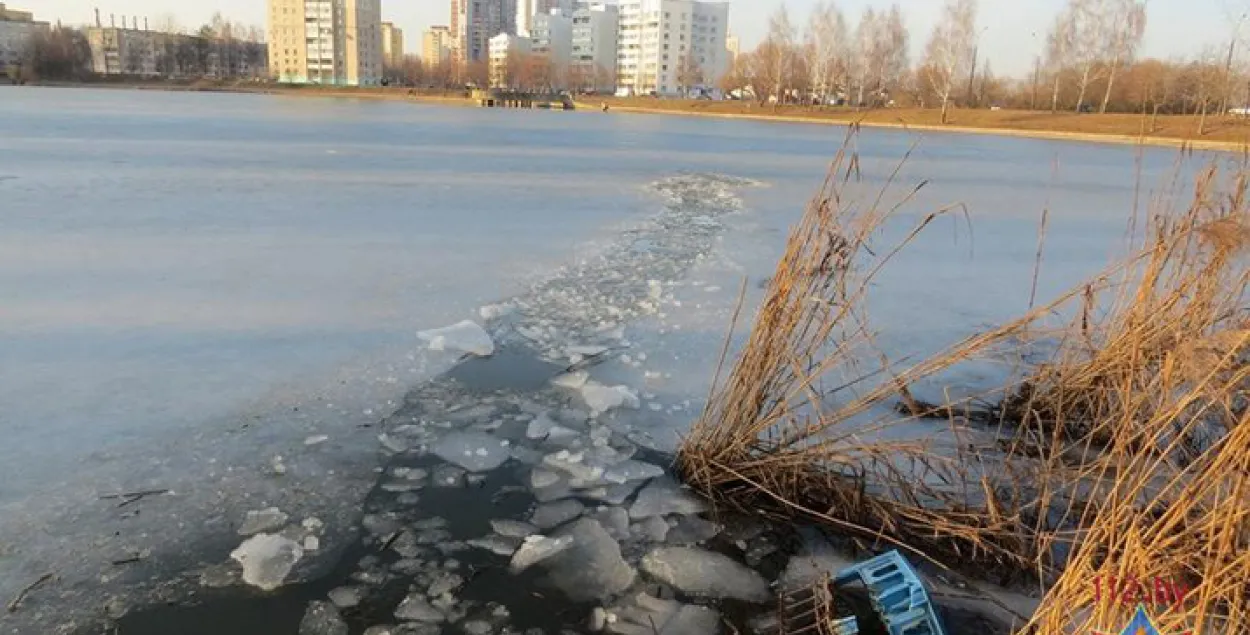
x: 552, y: 38
x: 504, y: 52
x: 671, y: 46
x: 17, y: 29
x: 595, y: 27
x: 326, y: 41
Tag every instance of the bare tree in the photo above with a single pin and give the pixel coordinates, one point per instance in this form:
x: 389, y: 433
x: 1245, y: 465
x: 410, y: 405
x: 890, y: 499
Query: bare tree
x: 1126, y: 23
x: 893, y: 43
x: 825, y: 47
x: 880, y: 59
x: 861, y: 59
x: 689, y: 73
x: 949, y: 53
x: 1059, y: 47
x: 779, y: 52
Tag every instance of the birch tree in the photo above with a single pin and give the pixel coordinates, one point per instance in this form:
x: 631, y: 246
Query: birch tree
x: 1059, y: 48
x: 1126, y: 21
x: 861, y: 58
x: 949, y: 52
x: 893, y: 43
x: 780, y: 51
x: 825, y: 46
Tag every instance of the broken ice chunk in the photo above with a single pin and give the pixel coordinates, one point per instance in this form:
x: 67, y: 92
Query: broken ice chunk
x: 540, y: 478
x: 513, y: 528
x: 472, y: 450
x: 692, y: 530
x: 535, y: 549
x: 346, y: 597
x: 652, y: 616
x: 267, y: 560
x: 322, y: 618
x: 448, y: 476
x: 574, y: 380
x: 556, y: 513
x: 653, y: 529
x: 262, y: 520
x: 592, y: 568
x: 497, y: 545
x: 465, y: 337
x: 632, y: 471
x: 663, y: 496
x: 540, y: 427
x: 615, y: 521
x: 415, y: 608
x: 704, y: 573
x: 600, y: 398
x: 443, y: 584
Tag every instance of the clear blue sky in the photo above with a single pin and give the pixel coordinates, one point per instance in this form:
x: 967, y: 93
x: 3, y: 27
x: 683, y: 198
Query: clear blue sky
x: 1175, y: 27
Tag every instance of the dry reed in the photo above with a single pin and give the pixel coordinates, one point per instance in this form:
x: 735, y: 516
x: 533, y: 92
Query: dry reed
x: 1125, y: 452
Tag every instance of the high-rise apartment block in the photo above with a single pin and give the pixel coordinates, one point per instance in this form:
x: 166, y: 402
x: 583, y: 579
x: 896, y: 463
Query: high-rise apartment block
x: 392, y: 45
x: 326, y: 41
x: 595, y: 27
x: 551, y: 38
x: 671, y: 46
x: 436, y: 46
x: 475, y: 22
x: 17, y: 31
x: 526, y: 10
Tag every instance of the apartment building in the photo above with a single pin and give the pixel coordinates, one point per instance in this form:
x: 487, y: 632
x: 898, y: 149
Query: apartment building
x: 505, y: 51
x: 671, y: 46
x: 17, y: 31
x: 137, y: 50
x: 335, y: 42
x: 475, y: 22
x: 526, y: 10
x: 436, y: 46
x: 551, y: 39
x: 595, y: 27
x: 392, y: 45
x: 734, y: 46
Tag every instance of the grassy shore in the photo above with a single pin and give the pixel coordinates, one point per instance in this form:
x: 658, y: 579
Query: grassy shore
x: 1221, y: 133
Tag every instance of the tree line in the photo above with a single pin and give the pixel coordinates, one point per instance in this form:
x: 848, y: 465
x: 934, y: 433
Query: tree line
x: 1087, y: 62
x: 220, y: 49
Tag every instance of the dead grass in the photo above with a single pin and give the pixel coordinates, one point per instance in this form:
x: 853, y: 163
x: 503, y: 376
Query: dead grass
x: 1231, y: 130
x: 1126, y: 452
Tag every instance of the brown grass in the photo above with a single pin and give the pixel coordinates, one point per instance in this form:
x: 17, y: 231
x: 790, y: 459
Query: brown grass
x: 1228, y: 130
x: 1128, y: 451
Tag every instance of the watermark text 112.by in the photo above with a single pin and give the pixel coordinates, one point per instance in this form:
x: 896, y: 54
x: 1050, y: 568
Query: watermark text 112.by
x: 1129, y: 591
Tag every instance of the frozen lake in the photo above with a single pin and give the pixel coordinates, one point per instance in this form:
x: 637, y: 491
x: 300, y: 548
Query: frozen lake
x: 191, y: 284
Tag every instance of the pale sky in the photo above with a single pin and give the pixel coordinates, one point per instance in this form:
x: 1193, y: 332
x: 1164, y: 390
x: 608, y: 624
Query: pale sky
x: 1014, y: 29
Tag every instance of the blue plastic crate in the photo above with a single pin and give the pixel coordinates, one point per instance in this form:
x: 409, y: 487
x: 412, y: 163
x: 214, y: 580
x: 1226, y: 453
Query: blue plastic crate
x: 897, y: 594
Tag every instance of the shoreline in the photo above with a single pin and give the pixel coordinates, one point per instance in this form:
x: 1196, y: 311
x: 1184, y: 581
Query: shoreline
x: 1052, y: 135
x: 615, y: 105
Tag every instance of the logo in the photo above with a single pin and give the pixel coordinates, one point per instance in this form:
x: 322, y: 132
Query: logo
x: 1141, y: 624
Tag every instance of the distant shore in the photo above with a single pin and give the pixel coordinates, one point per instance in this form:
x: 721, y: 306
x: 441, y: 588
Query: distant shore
x: 1224, y: 134
x: 1178, y: 131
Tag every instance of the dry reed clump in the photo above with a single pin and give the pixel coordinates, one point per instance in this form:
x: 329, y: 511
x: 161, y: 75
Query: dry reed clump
x: 1175, y: 312
x: 1126, y: 451
x: 798, y: 429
